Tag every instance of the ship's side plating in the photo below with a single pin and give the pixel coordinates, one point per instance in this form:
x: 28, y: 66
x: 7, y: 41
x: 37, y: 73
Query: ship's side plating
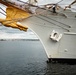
x: 63, y: 23
x: 56, y: 31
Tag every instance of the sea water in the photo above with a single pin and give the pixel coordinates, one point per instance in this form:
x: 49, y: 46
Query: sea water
x: 29, y: 58
x: 22, y: 58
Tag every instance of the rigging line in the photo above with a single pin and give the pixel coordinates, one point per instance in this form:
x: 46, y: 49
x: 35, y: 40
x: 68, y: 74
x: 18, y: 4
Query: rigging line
x: 2, y: 9
x: 18, y: 19
x: 59, y: 1
x: 22, y: 1
x: 34, y: 5
x: 3, y: 13
x: 37, y: 6
x: 26, y: 2
x: 56, y: 21
x: 52, y: 23
x: 65, y: 4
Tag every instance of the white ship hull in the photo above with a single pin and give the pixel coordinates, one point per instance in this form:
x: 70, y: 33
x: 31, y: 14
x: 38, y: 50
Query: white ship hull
x: 43, y: 26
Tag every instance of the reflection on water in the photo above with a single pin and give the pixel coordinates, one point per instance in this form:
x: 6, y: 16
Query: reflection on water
x: 29, y: 58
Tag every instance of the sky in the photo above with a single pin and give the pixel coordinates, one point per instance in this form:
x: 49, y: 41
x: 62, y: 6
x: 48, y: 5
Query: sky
x: 10, y: 33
